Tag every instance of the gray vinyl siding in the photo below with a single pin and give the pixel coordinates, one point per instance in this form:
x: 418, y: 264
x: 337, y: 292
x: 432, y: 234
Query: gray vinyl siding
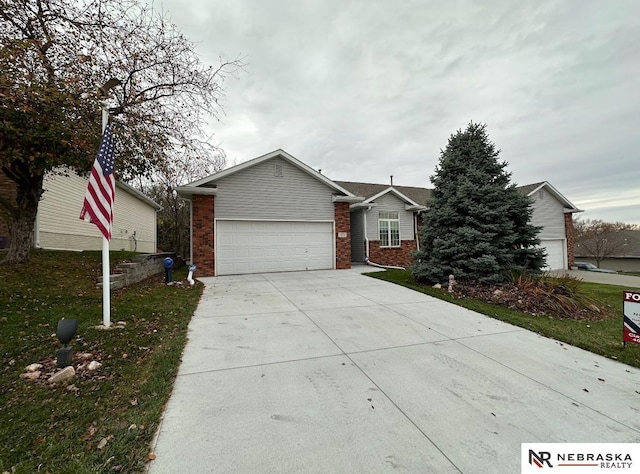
x: 390, y: 202
x: 357, y: 236
x: 548, y: 212
x: 256, y: 193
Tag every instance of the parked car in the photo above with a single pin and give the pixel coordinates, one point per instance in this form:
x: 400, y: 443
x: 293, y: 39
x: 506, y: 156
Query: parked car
x: 590, y: 267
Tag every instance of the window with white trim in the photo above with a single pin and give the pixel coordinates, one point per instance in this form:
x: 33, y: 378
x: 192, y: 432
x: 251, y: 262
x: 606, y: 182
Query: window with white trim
x: 389, y: 228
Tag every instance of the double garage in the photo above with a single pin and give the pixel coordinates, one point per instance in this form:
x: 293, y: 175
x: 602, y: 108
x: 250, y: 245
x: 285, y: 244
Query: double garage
x: 246, y: 246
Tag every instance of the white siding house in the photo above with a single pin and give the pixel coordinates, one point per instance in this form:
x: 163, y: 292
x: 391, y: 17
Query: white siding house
x: 58, y: 225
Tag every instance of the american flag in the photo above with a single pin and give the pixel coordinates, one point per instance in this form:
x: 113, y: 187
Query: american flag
x: 98, y: 201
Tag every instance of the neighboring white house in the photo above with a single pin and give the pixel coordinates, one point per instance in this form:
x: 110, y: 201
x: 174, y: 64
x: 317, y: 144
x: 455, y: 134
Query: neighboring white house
x: 58, y: 225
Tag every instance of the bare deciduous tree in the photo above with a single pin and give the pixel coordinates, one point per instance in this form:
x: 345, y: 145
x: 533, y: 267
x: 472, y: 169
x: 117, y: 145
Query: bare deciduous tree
x: 174, y: 217
x: 54, y: 54
x: 597, y: 239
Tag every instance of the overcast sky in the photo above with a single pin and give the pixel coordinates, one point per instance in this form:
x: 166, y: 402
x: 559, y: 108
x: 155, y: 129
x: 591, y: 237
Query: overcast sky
x: 368, y: 89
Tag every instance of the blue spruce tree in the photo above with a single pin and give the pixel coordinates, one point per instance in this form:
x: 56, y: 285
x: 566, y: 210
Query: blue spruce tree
x: 478, y: 225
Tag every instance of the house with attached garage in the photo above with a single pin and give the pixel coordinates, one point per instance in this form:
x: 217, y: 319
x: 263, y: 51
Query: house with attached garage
x: 270, y: 214
x: 275, y: 213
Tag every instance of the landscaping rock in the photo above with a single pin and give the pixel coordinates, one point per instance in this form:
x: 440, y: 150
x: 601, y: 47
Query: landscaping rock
x: 118, y: 325
x: 437, y: 286
x: 33, y: 367
x: 65, y: 374
x: 94, y: 365
x: 31, y: 375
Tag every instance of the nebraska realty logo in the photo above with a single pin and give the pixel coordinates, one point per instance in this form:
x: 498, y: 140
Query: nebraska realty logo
x: 580, y: 457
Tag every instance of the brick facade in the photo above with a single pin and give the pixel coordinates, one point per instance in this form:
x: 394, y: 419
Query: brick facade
x: 568, y: 230
x: 343, y: 244
x: 203, y: 241
x: 393, y: 256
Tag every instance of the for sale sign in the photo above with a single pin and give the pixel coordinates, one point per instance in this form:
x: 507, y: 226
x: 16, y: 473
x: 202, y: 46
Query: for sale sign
x: 631, y: 311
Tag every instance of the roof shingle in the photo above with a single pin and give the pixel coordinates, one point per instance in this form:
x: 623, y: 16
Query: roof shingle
x: 419, y: 195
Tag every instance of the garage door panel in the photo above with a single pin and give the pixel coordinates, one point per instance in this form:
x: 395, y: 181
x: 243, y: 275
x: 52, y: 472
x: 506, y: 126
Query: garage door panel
x: 555, y: 250
x: 263, y: 246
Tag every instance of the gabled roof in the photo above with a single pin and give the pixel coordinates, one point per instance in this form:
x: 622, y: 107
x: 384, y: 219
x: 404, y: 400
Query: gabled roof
x: 422, y: 196
x: 392, y: 190
x: 210, y: 181
x: 531, y: 189
x: 527, y: 189
x: 419, y: 196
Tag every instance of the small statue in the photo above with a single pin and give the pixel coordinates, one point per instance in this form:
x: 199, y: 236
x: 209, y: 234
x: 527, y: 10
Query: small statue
x: 452, y: 282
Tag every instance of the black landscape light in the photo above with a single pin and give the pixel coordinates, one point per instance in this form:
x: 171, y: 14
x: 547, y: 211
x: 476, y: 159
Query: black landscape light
x: 65, y: 332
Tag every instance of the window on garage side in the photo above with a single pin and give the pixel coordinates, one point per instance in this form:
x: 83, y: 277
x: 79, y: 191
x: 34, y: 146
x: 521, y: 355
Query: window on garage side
x: 389, y: 226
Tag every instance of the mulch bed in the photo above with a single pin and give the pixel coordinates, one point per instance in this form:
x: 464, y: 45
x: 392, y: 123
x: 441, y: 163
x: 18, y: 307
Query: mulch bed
x: 537, y: 304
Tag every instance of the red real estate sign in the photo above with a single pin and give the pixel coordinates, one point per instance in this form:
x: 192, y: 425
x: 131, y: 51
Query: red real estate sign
x: 631, y: 311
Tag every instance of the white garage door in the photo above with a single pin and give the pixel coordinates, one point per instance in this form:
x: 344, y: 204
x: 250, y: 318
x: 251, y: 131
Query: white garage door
x: 262, y: 246
x: 555, y: 253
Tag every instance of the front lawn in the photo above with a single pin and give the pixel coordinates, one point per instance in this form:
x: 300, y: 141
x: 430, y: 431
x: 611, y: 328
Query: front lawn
x: 102, y: 420
x: 603, y: 336
x: 630, y: 273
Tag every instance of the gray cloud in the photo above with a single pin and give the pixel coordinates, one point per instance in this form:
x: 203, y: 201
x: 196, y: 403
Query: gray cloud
x: 366, y: 89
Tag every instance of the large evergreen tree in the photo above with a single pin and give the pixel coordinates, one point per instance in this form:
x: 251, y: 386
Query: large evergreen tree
x: 478, y: 224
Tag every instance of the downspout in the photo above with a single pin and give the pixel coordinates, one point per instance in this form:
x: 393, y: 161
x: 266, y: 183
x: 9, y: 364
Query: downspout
x: 155, y: 235
x: 190, y: 231
x: 366, y: 239
x: 370, y: 263
x: 36, y: 230
x: 415, y: 226
x: 190, y: 228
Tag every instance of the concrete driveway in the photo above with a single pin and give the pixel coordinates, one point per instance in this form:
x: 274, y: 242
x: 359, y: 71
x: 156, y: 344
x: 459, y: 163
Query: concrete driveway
x: 333, y: 371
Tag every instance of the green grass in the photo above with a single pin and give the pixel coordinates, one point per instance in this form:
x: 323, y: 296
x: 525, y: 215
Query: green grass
x: 53, y: 429
x: 630, y: 273
x: 600, y: 337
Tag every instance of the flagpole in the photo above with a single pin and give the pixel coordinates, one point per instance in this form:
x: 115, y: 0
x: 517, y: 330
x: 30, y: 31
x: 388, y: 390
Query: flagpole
x: 106, y: 284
